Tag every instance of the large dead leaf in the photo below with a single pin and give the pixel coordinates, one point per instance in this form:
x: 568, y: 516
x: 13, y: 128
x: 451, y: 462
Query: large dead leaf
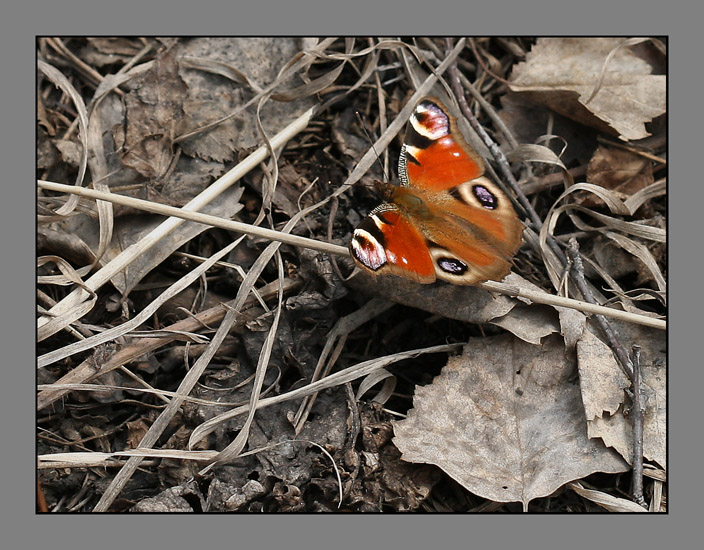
x: 505, y: 422
x: 562, y: 73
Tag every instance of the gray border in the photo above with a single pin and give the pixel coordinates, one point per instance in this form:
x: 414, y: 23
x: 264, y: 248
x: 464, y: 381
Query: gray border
x: 315, y: 18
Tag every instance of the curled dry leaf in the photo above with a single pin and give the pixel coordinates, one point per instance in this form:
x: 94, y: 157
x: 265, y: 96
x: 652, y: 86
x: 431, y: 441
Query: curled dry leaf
x: 562, y: 73
x: 532, y: 322
x: 232, y: 498
x: 505, y: 421
x: 606, y: 501
x: 623, y: 172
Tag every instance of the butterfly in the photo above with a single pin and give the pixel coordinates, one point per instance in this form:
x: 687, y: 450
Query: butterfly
x: 446, y: 220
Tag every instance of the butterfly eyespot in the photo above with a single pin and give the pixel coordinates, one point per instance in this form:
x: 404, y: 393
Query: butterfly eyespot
x: 487, y: 199
x: 367, y: 244
x: 452, y: 266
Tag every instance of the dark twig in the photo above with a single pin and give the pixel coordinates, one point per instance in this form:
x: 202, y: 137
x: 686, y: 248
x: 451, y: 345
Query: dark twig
x: 638, y: 420
x: 354, y: 424
x: 604, y: 325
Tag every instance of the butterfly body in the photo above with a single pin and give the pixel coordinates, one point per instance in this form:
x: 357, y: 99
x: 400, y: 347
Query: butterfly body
x: 446, y: 220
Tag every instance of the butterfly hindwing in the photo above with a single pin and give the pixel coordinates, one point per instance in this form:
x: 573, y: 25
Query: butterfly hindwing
x: 488, y: 238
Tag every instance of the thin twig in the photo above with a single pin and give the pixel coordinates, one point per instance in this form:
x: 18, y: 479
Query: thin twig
x: 500, y: 158
x: 638, y: 420
x: 492, y: 286
x: 199, y: 217
x: 630, y: 367
x: 604, y: 325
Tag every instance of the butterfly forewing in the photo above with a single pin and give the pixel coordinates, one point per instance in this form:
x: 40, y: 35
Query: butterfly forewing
x: 435, y: 155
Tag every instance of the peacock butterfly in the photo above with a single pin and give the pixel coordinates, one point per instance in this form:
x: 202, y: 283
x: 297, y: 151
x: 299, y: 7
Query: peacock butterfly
x: 446, y: 220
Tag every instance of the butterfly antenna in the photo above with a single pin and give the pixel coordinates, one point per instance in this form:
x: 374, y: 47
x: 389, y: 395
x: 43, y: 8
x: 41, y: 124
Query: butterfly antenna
x: 371, y: 143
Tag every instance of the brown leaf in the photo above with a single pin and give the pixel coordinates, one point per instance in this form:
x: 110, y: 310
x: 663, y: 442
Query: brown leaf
x: 175, y: 499
x: 71, y: 151
x: 562, y: 73
x: 464, y: 303
x: 217, y: 143
x: 221, y: 74
x: 384, y: 477
x: 288, y: 194
x: 505, y: 422
x: 136, y: 430
x: 225, y: 496
x: 153, y: 109
x: 621, y: 171
x: 530, y: 323
x: 127, y: 46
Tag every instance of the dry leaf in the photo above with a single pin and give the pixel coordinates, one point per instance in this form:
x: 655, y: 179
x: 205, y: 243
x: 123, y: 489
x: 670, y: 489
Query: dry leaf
x: 606, y: 501
x: 562, y: 73
x: 602, y: 380
x: 103, y: 50
x: 463, y: 303
x: 621, y: 171
x: 153, y: 110
x: 176, y: 499
x: 254, y: 63
x: 615, y: 429
x: 505, y: 421
x: 572, y: 324
x: 137, y: 429
x: 530, y: 323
